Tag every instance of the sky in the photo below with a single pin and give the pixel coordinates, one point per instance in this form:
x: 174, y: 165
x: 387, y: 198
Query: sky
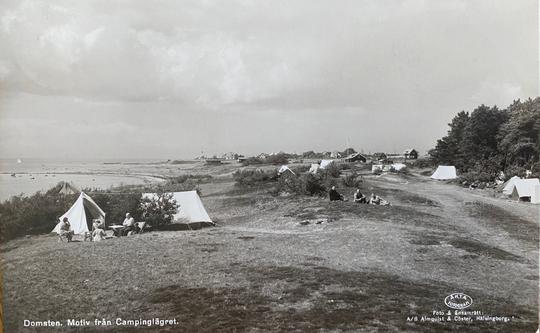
x: 172, y: 79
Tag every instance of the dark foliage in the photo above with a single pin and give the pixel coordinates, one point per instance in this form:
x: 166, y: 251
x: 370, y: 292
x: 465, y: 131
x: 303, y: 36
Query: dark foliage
x: 35, y: 214
x: 489, y: 140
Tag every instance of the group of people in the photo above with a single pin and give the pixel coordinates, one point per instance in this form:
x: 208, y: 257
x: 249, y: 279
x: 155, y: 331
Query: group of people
x: 358, y: 197
x: 98, y: 229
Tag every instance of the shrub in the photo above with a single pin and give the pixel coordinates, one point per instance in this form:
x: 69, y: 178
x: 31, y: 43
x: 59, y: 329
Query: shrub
x: 252, y: 161
x: 312, y: 184
x: 35, y: 214
x: 253, y: 177
x: 116, y: 205
x: 158, y: 210
x: 289, y: 183
x: 351, y: 180
x: 278, y: 159
x: 332, y: 170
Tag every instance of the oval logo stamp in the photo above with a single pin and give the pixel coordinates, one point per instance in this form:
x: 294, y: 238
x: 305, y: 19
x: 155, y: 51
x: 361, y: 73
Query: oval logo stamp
x: 458, y: 301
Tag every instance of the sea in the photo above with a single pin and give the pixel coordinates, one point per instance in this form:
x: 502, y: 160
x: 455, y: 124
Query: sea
x: 28, y: 176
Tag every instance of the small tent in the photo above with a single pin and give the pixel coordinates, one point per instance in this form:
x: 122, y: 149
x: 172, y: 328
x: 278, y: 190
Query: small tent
x: 77, y: 214
x: 314, y: 168
x: 68, y: 188
x: 325, y: 164
x: 444, y: 172
x: 190, y: 207
x: 376, y: 168
x: 398, y: 166
x: 524, y: 189
x: 285, y: 169
x: 508, y: 187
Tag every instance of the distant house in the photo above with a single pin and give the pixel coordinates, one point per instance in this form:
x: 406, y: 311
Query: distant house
x: 263, y: 156
x: 335, y: 154
x: 356, y: 157
x: 230, y: 156
x: 411, y: 154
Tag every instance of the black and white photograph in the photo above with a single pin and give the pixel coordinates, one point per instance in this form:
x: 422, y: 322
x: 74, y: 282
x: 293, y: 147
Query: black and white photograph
x: 249, y: 166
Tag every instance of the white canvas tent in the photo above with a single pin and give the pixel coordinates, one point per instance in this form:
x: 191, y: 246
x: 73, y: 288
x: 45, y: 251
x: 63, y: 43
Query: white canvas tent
x: 77, y: 214
x: 535, y: 199
x: 444, y: 172
x: 68, y: 188
x: 190, y: 207
x: 325, y: 163
x: 284, y: 169
x: 314, y: 168
x: 525, y: 189
x: 509, y: 185
x: 398, y: 166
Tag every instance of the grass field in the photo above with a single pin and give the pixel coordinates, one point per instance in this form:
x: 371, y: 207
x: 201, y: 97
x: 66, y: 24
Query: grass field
x: 294, y: 264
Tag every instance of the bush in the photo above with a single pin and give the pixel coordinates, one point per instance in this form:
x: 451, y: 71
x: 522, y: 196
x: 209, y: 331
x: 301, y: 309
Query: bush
x: 158, y: 210
x: 351, y: 180
x: 289, y: 183
x: 36, y: 214
x: 312, y: 185
x: 423, y: 163
x: 278, y: 159
x: 252, y: 161
x: 332, y: 170
x: 116, y: 205
x: 253, y: 177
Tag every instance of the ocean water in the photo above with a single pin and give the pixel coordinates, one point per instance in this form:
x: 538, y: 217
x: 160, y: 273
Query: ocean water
x: 32, y: 175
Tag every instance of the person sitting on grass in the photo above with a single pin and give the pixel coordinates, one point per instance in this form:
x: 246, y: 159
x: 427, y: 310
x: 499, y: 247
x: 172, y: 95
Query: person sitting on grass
x: 65, y: 229
x: 129, y: 224
x: 98, y: 234
x: 334, y: 195
x: 359, y: 197
x: 374, y: 200
x: 377, y: 200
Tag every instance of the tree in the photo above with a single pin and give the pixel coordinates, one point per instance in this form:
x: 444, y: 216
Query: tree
x: 447, y: 150
x: 519, y: 137
x: 479, y: 141
x: 159, y: 209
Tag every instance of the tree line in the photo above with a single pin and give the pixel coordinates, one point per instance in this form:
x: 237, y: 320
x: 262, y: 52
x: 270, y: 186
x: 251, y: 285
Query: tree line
x: 489, y: 140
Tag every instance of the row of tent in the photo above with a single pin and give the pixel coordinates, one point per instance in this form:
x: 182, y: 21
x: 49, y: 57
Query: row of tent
x: 515, y: 187
x: 190, y: 210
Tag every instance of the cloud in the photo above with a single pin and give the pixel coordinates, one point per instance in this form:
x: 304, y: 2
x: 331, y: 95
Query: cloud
x: 368, y: 62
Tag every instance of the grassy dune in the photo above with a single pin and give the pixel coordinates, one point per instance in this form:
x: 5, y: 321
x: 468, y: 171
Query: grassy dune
x: 294, y: 264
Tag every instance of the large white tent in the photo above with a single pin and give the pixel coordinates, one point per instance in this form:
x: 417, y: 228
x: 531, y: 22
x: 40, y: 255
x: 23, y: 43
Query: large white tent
x: 77, y: 214
x: 445, y: 172
x: 525, y: 189
x: 535, y: 199
x: 509, y: 185
x: 190, y: 207
x: 284, y: 169
x: 325, y: 163
x: 314, y: 168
